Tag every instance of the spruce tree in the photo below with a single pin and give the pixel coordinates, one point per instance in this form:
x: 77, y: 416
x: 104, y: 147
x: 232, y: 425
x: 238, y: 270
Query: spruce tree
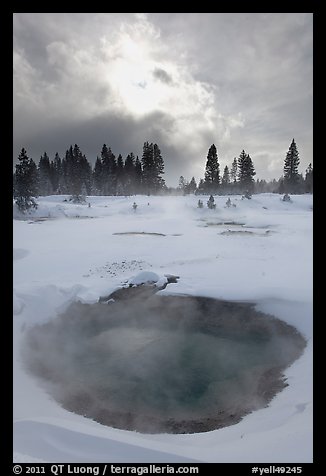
x: 153, y: 168
x: 201, y: 187
x: 191, y: 187
x: 246, y: 172
x: 44, y: 175
x: 130, y: 174
x: 77, y: 173
x: 109, y: 167
x: 26, y: 182
x: 225, y: 180
x: 138, y: 176
x: 56, y: 174
x: 98, y: 177
x: 291, y: 164
x: 73, y: 156
x: 211, y: 202
x: 309, y: 179
x: 212, y: 171
x: 120, y: 176
x: 159, y: 182
x: 182, y: 184
x: 86, y: 175
x: 234, y: 170
x: 148, y: 167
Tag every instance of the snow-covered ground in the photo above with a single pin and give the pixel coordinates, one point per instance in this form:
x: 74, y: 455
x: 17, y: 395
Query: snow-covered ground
x: 259, y: 251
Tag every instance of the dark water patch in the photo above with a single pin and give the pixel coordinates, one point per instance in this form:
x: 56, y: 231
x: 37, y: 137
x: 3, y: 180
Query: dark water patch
x: 79, y: 217
x: 245, y: 233
x: 19, y: 253
x: 225, y: 223
x: 152, y: 363
x: 34, y: 220
x: 142, y: 233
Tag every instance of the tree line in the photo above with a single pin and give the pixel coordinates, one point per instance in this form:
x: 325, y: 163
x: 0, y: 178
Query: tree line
x: 73, y: 175
x: 238, y: 178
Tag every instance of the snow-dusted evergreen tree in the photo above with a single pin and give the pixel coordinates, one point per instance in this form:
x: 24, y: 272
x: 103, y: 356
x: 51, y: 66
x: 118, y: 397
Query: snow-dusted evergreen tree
x: 211, y: 202
x: 182, y: 184
x: 246, y: 172
x: 191, y: 187
x: 201, y: 188
x: 234, y: 170
x: 234, y: 176
x: 212, y: 171
x: 225, y: 184
x: 291, y: 164
x: 153, y: 168
x: 109, y: 168
x: 44, y: 175
x: 26, y: 182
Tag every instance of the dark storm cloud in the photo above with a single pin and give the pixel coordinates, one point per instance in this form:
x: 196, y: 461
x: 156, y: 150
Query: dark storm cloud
x: 162, y: 75
x: 122, y: 134
x: 182, y: 80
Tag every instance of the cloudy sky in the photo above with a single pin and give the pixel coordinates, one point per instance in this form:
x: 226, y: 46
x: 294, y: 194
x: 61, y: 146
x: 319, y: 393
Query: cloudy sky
x: 182, y: 80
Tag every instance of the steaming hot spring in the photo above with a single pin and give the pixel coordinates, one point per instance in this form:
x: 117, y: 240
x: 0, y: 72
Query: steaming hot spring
x: 162, y: 363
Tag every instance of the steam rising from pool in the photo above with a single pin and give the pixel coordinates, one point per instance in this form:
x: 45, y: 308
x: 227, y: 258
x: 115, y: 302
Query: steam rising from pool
x: 176, y: 364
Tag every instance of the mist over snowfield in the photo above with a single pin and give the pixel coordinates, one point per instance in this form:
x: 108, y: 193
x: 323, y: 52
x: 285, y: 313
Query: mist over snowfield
x: 259, y: 251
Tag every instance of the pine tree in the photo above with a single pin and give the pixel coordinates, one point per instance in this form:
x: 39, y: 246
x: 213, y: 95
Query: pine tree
x: 138, y: 176
x: 234, y: 170
x: 73, y: 156
x: 26, y: 182
x: 98, y: 177
x: 120, y: 176
x: 86, y: 175
x: 309, y: 179
x: 56, y: 174
x: 225, y: 185
x: 109, y: 167
x: 44, y: 175
x: 211, y: 202
x: 153, y: 168
x: 246, y: 172
x: 77, y: 172
x: 148, y: 167
x: 191, y: 187
x: 201, y: 187
x: 159, y: 182
x: 212, y: 171
x: 130, y: 174
x: 291, y: 164
x: 70, y: 173
x: 182, y: 183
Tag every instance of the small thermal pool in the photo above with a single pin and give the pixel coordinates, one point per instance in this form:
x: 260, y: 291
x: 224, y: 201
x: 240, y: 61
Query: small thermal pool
x: 154, y: 363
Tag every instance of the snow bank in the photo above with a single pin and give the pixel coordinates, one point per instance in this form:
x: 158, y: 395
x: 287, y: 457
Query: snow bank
x: 73, y: 253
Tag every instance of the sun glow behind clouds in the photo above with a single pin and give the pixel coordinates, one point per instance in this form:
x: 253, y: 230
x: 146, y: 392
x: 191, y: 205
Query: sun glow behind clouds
x: 147, y: 78
x: 131, y: 67
x: 130, y: 76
